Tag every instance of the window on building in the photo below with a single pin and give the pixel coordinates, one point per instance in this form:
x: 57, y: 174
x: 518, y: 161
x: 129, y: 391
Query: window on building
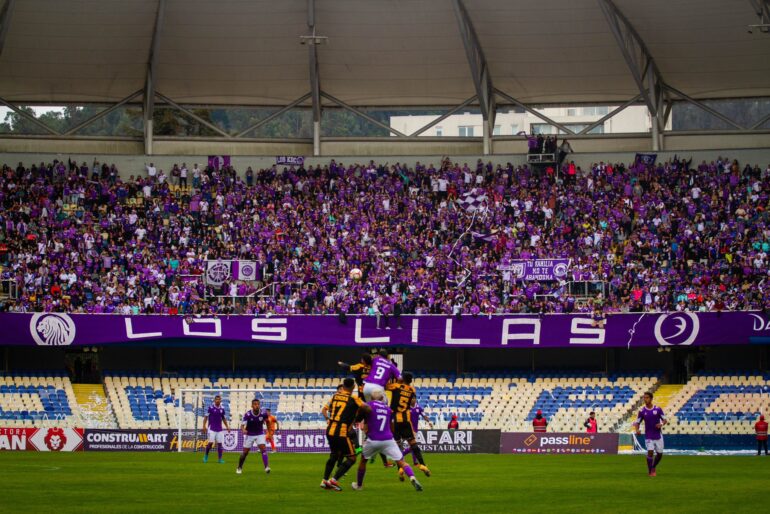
x: 466, y: 131
x: 603, y: 111
x: 496, y: 131
x: 514, y: 128
x: 589, y: 111
x: 571, y: 112
x: 439, y: 131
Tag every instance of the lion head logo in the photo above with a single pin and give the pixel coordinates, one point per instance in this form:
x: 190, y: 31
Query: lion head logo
x: 52, y: 329
x: 55, y: 439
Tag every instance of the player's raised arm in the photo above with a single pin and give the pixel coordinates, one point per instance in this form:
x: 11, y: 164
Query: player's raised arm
x: 363, y: 411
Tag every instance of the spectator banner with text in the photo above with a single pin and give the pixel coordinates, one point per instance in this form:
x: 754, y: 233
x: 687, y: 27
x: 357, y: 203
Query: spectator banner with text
x: 503, y: 331
x: 527, y: 442
x: 50, y: 439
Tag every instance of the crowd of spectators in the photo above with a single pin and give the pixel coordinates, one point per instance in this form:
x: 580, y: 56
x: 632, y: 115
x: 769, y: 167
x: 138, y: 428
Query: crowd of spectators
x: 668, y: 236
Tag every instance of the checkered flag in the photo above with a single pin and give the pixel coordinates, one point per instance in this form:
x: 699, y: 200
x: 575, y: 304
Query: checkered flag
x: 473, y: 200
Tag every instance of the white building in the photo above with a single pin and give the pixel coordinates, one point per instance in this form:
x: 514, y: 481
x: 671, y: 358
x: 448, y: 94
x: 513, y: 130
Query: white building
x: 634, y: 119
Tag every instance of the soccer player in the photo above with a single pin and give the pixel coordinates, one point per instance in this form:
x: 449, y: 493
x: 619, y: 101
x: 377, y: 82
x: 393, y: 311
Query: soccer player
x: 403, y: 397
x: 272, y: 428
x: 252, y: 426
x: 417, y: 412
x: 212, y: 424
x: 383, y: 371
x: 379, y: 439
x: 360, y: 371
x: 342, y: 409
x: 653, y: 421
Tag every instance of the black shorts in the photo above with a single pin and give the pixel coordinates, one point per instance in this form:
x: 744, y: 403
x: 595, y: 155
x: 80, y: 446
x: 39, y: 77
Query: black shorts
x: 402, y: 431
x: 341, y: 445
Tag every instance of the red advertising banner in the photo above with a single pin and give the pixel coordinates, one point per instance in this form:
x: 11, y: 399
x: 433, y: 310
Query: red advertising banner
x: 16, y: 439
x: 52, y: 439
x: 517, y: 442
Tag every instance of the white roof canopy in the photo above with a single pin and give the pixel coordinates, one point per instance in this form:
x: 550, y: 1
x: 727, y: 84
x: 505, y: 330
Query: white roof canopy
x: 379, y: 52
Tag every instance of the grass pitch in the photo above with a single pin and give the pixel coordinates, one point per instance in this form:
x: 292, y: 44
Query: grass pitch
x: 170, y: 482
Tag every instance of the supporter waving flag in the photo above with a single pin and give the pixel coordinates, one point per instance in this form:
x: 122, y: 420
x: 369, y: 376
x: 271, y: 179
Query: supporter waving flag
x: 473, y: 200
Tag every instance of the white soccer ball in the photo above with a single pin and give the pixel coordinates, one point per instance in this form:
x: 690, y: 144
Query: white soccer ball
x: 356, y: 274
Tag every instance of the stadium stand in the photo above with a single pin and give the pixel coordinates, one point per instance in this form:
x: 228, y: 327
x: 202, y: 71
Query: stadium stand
x: 720, y: 402
x: 395, y: 223
x: 32, y: 399
x: 480, y: 400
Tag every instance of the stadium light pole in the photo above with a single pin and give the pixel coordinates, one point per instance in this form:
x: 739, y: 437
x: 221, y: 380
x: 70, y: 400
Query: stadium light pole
x: 312, y: 41
x: 642, y: 66
x: 5, y: 21
x: 149, y: 83
x: 482, y: 80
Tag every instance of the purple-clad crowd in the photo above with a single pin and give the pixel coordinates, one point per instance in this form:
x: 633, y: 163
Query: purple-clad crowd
x: 666, y: 236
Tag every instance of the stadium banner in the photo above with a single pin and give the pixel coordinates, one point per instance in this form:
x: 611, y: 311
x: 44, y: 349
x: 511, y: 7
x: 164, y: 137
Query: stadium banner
x: 291, y: 160
x: 647, y: 159
x: 218, y: 162
x: 459, y: 441
x: 51, y: 439
x: 245, y: 270
x: 536, y: 269
x: 218, y: 272
x: 103, y: 440
x: 503, y: 331
x: 289, y: 441
x: 528, y: 442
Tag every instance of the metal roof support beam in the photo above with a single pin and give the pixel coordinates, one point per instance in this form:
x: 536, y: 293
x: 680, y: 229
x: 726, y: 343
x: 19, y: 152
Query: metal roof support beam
x: 706, y: 108
x: 611, y: 114
x: 443, y: 117
x: 103, y: 113
x: 274, y: 115
x: 482, y: 80
x: 29, y: 117
x: 533, y: 112
x: 5, y: 21
x: 760, y: 122
x: 315, y: 81
x: 762, y: 9
x: 149, y: 83
x: 193, y: 115
x: 362, y: 114
x: 641, y: 64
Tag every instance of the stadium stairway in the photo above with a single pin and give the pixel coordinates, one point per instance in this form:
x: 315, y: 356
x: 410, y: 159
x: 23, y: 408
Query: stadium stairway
x: 95, y: 409
x: 665, y: 394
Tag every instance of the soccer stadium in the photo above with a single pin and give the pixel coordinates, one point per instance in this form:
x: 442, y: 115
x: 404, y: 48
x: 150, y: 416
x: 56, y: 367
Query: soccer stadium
x: 436, y: 255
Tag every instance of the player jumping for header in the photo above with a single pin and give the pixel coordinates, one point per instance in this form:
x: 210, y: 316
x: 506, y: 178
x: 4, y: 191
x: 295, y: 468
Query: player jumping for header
x: 654, y: 420
x: 382, y: 372
x: 253, y: 426
x: 212, y: 424
x: 379, y: 438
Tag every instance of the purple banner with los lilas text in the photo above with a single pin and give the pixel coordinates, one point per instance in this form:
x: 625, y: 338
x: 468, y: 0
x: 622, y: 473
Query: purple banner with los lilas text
x: 499, y: 331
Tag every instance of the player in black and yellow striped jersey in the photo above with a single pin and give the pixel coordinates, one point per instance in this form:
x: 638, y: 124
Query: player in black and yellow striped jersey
x: 360, y: 371
x: 341, y: 411
x: 403, y: 395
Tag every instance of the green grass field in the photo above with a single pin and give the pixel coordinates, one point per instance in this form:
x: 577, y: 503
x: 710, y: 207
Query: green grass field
x: 170, y: 482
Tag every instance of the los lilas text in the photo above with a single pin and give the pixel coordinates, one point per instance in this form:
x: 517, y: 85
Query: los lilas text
x: 583, y: 331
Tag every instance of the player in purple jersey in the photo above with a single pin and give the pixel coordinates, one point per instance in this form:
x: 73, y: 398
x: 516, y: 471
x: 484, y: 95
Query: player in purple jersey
x: 212, y: 424
x: 653, y: 419
x: 415, y: 413
x: 253, y: 431
x: 383, y: 371
x: 379, y: 438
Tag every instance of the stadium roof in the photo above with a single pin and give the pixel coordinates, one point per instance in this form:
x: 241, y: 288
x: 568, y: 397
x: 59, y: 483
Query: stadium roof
x: 379, y: 52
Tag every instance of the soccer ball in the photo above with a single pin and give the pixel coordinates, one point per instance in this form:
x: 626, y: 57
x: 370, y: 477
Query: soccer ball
x: 356, y: 274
